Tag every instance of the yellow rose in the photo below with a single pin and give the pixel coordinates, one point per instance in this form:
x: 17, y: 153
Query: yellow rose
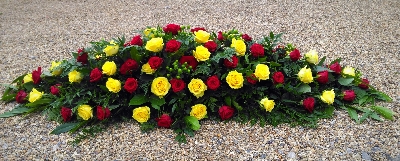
x: 112, y: 49
x: 148, y: 32
x: 146, y: 68
x: 74, y: 76
x: 113, y: 85
x: 35, y: 95
x: 328, y: 97
x: 201, y: 53
x: 141, y: 114
x: 262, y: 72
x: 85, y: 112
x: 54, y: 65
x: 239, y: 46
x: 109, y: 68
x: 155, y: 44
x: 28, y: 78
x: 305, y: 75
x: 235, y: 79
x: 349, y: 71
x: 201, y: 36
x: 160, y: 86
x: 267, y: 104
x: 197, y: 87
x: 199, y: 111
x: 312, y: 57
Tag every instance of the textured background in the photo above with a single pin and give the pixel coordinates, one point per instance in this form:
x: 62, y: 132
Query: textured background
x: 366, y: 34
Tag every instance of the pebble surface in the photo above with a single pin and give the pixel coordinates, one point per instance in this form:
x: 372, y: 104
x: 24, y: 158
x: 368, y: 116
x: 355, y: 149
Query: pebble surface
x: 364, y: 33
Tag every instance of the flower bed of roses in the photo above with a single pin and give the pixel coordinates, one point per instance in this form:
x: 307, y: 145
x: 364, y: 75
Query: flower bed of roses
x: 174, y: 76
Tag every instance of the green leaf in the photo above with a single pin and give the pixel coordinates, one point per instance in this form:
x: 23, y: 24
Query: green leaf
x: 363, y: 100
x: 39, y: 102
x: 228, y: 100
x: 156, y: 102
x: 14, y: 112
x: 274, y: 64
x: 135, y: 54
x: 8, y: 97
x: 304, y: 88
x: 328, y: 112
x: 376, y: 117
x: 28, y: 86
x: 64, y: 128
x: 320, y: 68
x: 322, y: 61
x: 345, y: 81
x: 192, y: 122
x: 385, y: 112
x: 138, y: 99
x: 365, y: 115
x: 237, y: 106
x: 353, y: 114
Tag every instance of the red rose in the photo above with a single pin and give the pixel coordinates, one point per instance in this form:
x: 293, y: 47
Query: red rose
x: 172, y: 46
x: 103, y: 113
x: 278, y: 77
x: 128, y: 65
x: 197, y: 29
x: 364, y: 84
x: 36, y: 75
x: 252, y: 79
x: 82, y: 57
x: 95, y: 75
x: 20, y: 97
x: 220, y: 37
x: 155, y: 62
x: 323, y: 77
x: 257, y: 50
x: 226, y: 112
x: 295, y: 55
x: 349, y: 95
x: 172, y: 28
x: 308, y: 104
x: 231, y: 64
x: 136, y: 41
x: 336, y: 68
x: 213, y: 82
x: 211, y: 46
x: 131, y: 85
x: 177, y: 85
x: 164, y: 121
x: 66, y: 114
x: 54, y: 90
x: 246, y: 37
x: 190, y: 60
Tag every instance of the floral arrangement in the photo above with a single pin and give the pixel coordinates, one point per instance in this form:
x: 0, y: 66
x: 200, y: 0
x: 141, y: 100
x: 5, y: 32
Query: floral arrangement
x: 175, y: 76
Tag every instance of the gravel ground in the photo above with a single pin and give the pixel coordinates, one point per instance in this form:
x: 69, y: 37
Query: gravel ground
x: 366, y: 34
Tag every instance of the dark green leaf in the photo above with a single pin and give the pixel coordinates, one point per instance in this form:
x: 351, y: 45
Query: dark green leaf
x: 192, y: 122
x: 345, y: 81
x: 135, y: 55
x: 138, y: 99
x: 304, y: 88
x: 228, y: 100
x: 14, y: 112
x: 363, y: 100
x: 353, y: 114
x: 322, y: 61
x: 156, y: 102
x: 40, y: 102
x: 237, y: 106
x: 64, y: 128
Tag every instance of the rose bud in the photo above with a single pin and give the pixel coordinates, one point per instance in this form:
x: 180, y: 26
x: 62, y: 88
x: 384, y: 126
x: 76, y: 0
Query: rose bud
x: 252, y: 79
x: 103, y: 113
x: 364, y: 84
x: 295, y: 55
x: 20, y: 97
x: 349, y: 95
x: 54, y: 90
x: 322, y: 77
x: 308, y: 104
x: 336, y: 68
x: 246, y: 37
x: 278, y: 77
x: 95, y: 75
x: 66, y: 114
x: 226, y: 112
x: 164, y: 121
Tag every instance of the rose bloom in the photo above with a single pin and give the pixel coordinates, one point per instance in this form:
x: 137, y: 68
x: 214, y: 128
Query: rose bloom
x: 109, y: 68
x: 197, y: 29
x: 172, y: 28
x: 85, y: 112
x: 95, y: 75
x: 364, y: 84
x: 295, y: 55
x: 349, y: 95
x: 246, y: 37
x: 20, y: 97
x: 54, y: 71
x: 308, y: 104
x: 160, y: 86
x: 82, y: 57
x: 336, y: 68
x: 131, y: 85
x: 312, y: 57
x: 190, y: 60
x: 74, y: 76
x: 35, y: 95
x: 328, y: 97
x: 199, y: 111
x: 111, y: 49
x: 257, y: 50
x: 155, y: 45
x: 128, y: 66
x: 141, y: 114
x: 197, y: 87
x: 149, y: 32
x: 267, y: 104
x: 36, y: 75
x: 211, y: 46
x: 164, y: 121
x: 155, y: 62
x: 305, y: 75
x: 213, y: 82
x: 147, y: 69
x: 54, y: 90
x: 113, y: 85
x: 235, y: 79
x: 66, y: 114
x: 231, y: 64
x: 323, y: 77
x: 201, y: 53
x: 201, y: 36
x: 278, y: 77
x: 226, y: 112
x: 262, y: 72
x: 220, y: 37
x: 137, y: 40
x: 252, y: 79
x: 28, y: 78
x: 177, y: 85
x: 239, y: 46
x: 102, y: 113
x: 172, y: 46
x: 348, y: 71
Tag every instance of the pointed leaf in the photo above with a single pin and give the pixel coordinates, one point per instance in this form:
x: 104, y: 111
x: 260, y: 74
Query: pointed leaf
x: 192, y: 122
x: 304, y: 88
x: 64, y: 128
x: 237, y: 106
x: 228, y: 100
x: 385, y: 112
x: 39, y: 102
x: 345, y: 81
x: 14, y: 112
x: 138, y: 99
x: 353, y: 114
